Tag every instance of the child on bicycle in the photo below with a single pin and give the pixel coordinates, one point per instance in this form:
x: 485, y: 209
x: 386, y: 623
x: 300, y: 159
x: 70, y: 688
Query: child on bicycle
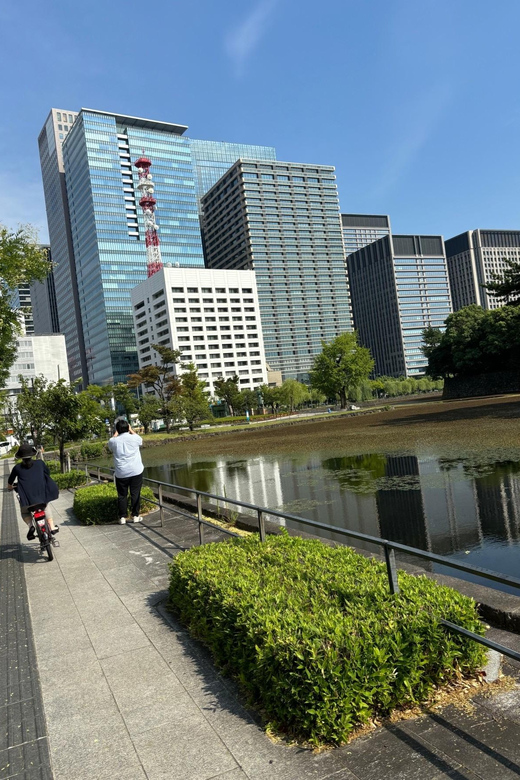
x: 31, y: 476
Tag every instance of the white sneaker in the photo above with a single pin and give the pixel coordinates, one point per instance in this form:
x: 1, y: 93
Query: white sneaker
x: 136, y: 519
x: 122, y: 520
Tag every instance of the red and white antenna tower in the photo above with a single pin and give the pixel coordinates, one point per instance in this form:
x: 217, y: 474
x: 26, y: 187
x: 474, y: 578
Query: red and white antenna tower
x: 148, y: 204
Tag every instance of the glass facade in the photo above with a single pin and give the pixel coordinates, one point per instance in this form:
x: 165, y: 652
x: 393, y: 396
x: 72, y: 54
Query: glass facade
x: 282, y: 220
x: 359, y: 230
x: 213, y: 158
x: 53, y: 175
x: 399, y: 287
x: 423, y: 295
x: 108, y: 231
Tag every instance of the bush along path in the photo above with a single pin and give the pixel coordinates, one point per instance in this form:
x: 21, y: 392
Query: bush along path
x: 97, y: 504
x: 313, y: 635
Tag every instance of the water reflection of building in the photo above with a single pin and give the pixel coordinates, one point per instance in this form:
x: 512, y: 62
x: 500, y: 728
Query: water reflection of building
x: 450, y: 509
x: 428, y: 503
x: 497, y: 497
x: 307, y: 493
x: 400, y: 508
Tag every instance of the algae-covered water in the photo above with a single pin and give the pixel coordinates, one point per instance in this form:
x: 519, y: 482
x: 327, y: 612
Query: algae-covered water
x: 441, y: 477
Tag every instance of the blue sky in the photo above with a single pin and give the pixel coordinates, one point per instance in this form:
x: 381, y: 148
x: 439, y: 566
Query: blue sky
x: 417, y: 104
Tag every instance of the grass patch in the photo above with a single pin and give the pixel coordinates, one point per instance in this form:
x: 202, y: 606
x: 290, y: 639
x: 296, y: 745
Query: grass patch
x: 97, y: 504
x: 314, y: 636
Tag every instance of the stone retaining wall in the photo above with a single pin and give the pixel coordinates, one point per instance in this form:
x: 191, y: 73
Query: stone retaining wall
x: 496, y: 383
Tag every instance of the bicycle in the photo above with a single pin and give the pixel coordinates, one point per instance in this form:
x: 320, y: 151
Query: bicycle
x: 43, y: 531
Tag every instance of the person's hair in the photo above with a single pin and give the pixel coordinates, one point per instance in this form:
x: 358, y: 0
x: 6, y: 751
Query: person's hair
x: 122, y: 426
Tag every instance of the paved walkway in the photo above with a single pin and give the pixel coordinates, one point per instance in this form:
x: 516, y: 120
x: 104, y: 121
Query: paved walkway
x: 127, y: 693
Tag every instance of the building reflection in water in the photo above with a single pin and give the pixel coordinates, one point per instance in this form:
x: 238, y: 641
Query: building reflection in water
x: 444, y: 506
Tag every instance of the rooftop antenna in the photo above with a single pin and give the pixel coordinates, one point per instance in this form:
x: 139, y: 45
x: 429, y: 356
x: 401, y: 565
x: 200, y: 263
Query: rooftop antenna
x: 148, y: 204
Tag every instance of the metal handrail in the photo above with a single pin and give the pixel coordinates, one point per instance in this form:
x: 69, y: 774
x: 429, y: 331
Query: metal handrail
x: 388, y: 546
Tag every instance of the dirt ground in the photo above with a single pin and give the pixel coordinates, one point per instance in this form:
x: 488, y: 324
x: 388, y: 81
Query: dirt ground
x: 474, y: 424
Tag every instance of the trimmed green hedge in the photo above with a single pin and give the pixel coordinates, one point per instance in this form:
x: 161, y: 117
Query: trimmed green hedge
x: 93, y: 449
x: 313, y: 634
x: 54, y: 466
x: 97, y: 504
x: 71, y: 479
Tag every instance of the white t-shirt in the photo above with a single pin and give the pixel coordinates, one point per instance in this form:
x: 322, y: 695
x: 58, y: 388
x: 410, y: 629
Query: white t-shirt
x: 127, y: 457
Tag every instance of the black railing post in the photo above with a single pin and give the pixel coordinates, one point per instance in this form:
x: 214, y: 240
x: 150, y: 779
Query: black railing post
x: 161, y: 510
x: 261, y: 525
x: 390, y: 569
x: 199, y: 515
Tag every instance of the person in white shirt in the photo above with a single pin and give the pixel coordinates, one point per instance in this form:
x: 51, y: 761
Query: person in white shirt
x: 125, y: 446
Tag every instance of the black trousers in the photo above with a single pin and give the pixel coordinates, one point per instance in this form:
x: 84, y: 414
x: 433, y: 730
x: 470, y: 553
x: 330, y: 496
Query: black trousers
x: 123, y: 484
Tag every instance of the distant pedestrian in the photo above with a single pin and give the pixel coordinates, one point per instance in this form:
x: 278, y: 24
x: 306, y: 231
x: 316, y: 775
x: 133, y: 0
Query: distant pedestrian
x: 125, y: 446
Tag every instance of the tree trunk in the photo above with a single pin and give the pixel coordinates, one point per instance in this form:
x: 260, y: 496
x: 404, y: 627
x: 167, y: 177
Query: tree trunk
x: 62, y: 456
x: 343, y: 398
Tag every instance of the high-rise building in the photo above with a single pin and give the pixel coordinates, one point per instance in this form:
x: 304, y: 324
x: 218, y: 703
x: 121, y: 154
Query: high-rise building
x: 21, y: 300
x: 210, y: 316
x: 282, y: 220
x: 38, y: 356
x: 96, y: 229
x: 472, y: 259
x: 213, y: 158
x: 359, y: 230
x: 399, y: 286
x: 55, y: 130
x: 44, y: 306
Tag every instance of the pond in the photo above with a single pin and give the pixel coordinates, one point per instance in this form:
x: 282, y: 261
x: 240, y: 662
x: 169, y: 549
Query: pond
x: 465, y: 506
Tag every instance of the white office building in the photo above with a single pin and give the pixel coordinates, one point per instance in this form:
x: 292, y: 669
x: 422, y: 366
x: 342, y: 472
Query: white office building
x: 38, y: 356
x: 473, y: 259
x: 211, y: 316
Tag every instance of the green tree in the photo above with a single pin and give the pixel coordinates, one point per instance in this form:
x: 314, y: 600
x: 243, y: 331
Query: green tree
x: 506, y: 285
x: 17, y: 422
x: 125, y: 399
x: 227, y: 390
x: 191, y: 402
x: 271, y: 397
x: 341, y: 367
x: 247, y: 401
x: 31, y: 406
x: 148, y: 410
x: 74, y: 415
x: 475, y: 341
x: 21, y: 262
x: 293, y: 393
x: 162, y: 378
x: 316, y: 397
x: 103, y: 395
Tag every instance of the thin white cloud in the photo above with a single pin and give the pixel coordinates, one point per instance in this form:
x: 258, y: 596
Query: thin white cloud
x: 420, y: 120
x: 22, y: 203
x: 243, y: 40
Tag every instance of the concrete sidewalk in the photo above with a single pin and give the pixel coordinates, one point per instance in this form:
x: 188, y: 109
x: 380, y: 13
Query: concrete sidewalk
x: 128, y: 694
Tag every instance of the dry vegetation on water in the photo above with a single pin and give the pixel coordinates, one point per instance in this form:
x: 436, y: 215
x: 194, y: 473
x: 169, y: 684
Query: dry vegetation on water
x: 450, y: 425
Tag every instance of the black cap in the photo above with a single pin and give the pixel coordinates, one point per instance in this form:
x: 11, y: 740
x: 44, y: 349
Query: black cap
x: 25, y: 451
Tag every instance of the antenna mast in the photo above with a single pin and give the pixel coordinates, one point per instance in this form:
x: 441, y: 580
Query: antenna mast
x: 148, y: 204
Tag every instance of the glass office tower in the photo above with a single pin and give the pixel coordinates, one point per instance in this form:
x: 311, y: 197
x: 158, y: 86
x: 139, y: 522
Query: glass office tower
x: 107, y: 227
x: 95, y: 224
x: 474, y: 258
x: 399, y: 286
x: 359, y: 230
x: 213, y: 158
x: 56, y: 128
x: 282, y: 220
